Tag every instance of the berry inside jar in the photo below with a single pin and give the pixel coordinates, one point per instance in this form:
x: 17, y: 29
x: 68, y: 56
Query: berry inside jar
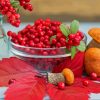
x: 47, y: 43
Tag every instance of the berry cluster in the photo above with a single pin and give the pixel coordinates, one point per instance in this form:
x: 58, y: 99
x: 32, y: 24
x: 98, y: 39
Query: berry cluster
x: 74, y: 39
x: 26, y: 5
x: 8, y: 9
x: 40, y: 35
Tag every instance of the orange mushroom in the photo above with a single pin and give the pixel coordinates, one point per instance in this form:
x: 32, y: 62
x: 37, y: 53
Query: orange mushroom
x: 69, y: 76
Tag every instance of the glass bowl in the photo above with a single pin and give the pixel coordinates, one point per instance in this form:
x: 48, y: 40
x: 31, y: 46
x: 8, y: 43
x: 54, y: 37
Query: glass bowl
x: 43, y: 59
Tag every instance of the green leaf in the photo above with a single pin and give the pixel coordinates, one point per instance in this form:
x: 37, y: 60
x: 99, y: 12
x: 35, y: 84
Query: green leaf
x: 52, y: 37
x: 18, y: 10
x: 11, y: 0
x: 65, y: 30
x: 74, y: 27
x: 73, y: 52
x: 67, y: 51
x: 82, y: 46
x: 15, y: 4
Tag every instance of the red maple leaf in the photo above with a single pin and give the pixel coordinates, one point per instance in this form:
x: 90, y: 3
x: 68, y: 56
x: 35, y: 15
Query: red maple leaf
x: 13, y: 68
x: 28, y: 88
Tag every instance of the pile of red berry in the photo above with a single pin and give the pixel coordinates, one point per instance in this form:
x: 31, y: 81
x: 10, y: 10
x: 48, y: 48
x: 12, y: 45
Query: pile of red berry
x: 7, y: 8
x: 39, y: 35
x: 45, y: 34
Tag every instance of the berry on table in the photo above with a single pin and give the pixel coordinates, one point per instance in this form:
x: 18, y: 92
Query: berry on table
x: 93, y: 76
x: 61, y: 85
x: 11, y: 81
x: 85, y: 82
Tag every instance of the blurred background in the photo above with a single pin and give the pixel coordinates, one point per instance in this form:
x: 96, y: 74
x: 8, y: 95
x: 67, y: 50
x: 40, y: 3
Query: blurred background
x: 63, y: 10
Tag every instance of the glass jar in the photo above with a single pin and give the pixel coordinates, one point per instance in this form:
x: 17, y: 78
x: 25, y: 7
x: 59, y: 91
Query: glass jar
x: 3, y: 40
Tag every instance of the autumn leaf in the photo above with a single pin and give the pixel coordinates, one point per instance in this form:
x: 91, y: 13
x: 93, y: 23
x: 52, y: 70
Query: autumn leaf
x: 28, y: 88
x: 13, y: 68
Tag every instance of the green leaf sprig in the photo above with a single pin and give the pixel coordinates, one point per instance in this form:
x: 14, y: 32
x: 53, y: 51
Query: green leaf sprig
x: 82, y: 46
x: 15, y: 4
x: 74, y: 27
x: 65, y: 30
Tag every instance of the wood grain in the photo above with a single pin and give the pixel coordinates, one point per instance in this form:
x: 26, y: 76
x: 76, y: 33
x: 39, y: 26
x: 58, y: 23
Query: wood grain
x: 84, y: 10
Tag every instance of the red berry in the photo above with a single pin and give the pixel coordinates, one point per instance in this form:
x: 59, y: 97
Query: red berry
x: 46, y: 37
x: 78, y: 38
x: 42, y: 39
x: 31, y: 43
x: 22, y: 2
x: 50, y: 33
x: 17, y: 16
x: 85, y: 82
x: 9, y: 33
x: 27, y: 0
x: 36, y: 34
x: 28, y: 7
x: 76, y: 42
x: 61, y: 85
x: 27, y: 50
x: 53, y: 52
x: 53, y: 28
x: 62, y: 40
x: 93, y: 76
x: 32, y: 52
x: 54, y: 41
x: 81, y: 34
x: 59, y: 35
x: 36, y: 40
x: 71, y: 36
x: 58, y: 44
x: 42, y: 33
x: 32, y: 36
x: 45, y: 53
x: 11, y: 81
x: 23, y: 42
x: 70, y: 42
x: 46, y: 41
x: 39, y: 45
x: 77, y: 34
x: 48, y: 20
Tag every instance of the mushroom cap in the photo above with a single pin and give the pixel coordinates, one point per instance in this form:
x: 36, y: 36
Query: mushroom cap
x: 69, y: 76
x: 95, y: 34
